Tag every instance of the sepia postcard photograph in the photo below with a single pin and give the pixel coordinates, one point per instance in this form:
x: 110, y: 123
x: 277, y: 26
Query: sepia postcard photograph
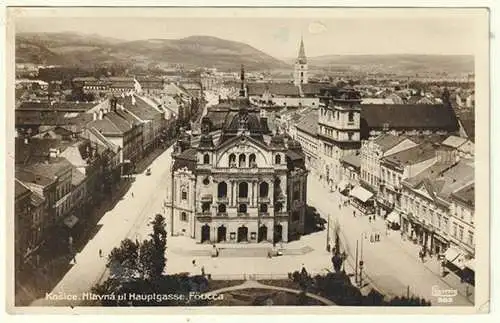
x: 240, y: 160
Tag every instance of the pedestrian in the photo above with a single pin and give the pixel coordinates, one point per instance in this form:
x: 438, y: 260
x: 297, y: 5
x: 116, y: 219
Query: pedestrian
x: 194, y: 262
x: 132, y: 194
x: 203, y: 271
x: 354, y: 213
x: 100, y: 253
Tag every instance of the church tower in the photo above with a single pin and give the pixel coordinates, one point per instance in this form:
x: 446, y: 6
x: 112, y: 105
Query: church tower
x: 300, y: 72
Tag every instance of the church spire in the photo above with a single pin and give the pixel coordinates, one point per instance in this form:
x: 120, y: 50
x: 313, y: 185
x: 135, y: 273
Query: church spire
x: 242, y: 76
x: 301, y: 59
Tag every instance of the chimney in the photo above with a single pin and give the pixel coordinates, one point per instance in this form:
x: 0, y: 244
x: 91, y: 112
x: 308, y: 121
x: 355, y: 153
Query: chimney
x: 100, y: 114
x: 133, y: 99
x: 94, y: 115
x: 26, y: 141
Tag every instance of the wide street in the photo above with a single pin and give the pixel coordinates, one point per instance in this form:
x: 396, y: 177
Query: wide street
x: 389, y: 264
x: 143, y: 200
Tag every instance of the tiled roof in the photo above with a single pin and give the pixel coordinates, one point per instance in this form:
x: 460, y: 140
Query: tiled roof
x: 445, y: 178
x: 309, y: 123
x: 30, y: 177
x: 106, y: 127
x: 411, y: 156
x: 309, y: 89
x: 20, y: 189
x: 141, y: 109
x: 465, y: 195
x: 50, y: 169
x: 353, y: 160
x: 103, y: 140
x: 454, y: 141
x: 58, y: 106
x: 280, y: 89
x: 186, y: 159
x: 408, y: 116
x: 388, y: 141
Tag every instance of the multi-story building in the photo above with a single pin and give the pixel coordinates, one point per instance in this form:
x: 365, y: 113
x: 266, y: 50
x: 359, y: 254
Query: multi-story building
x: 248, y: 186
x: 23, y: 222
x: 373, y: 150
x: 306, y: 134
x: 121, y: 128
x: 338, y: 130
x: 436, y: 209
x: 400, y: 165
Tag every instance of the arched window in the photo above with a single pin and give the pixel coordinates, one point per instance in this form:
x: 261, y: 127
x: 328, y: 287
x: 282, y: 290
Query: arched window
x: 206, y: 159
x: 277, y: 159
x: 222, y: 208
x: 263, y: 189
x: 243, y: 189
x: 263, y: 208
x: 242, y: 160
x: 205, y: 207
x: 183, y: 216
x: 184, y: 195
x: 232, y: 160
x: 252, y: 160
x: 222, y: 190
x: 351, y: 116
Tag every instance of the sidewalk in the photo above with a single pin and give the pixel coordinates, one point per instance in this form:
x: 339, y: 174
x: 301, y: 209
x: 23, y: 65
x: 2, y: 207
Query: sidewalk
x: 390, y: 265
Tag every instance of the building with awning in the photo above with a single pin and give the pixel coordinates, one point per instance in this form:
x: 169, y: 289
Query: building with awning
x: 455, y: 257
x: 393, y: 217
x: 362, y: 199
x: 361, y: 194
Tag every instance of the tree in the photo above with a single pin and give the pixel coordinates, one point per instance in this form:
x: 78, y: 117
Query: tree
x: 159, y: 245
x: 122, y: 261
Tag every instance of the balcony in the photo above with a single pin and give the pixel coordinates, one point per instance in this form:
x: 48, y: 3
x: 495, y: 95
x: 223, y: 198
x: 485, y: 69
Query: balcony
x: 281, y: 214
x: 242, y: 199
x: 243, y: 170
x: 222, y: 214
x: 264, y: 214
x: 242, y: 214
x: 206, y: 198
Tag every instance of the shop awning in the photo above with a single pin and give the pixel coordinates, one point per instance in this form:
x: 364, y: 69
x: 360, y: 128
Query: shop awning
x: 343, y: 185
x: 361, y: 194
x: 455, y: 257
x: 471, y: 264
x: 70, y: 221
x: 393, y: 217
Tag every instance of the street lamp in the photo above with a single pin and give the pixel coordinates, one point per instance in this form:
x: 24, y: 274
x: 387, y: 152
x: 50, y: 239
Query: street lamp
x: 328, y: 247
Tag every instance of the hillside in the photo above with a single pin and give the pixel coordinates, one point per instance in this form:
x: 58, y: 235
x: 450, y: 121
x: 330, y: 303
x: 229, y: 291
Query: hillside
x: 396, y: 63
x: 194, y: 51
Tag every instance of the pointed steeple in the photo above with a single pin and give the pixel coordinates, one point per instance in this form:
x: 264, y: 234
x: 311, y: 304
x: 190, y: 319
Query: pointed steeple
x: 301, y: 59
x: 242, y: 76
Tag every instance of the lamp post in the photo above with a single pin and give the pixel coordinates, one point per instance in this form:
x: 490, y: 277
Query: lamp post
x: 328, y: 234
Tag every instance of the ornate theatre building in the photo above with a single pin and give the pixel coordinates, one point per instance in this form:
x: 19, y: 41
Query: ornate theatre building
x: 245, y: 185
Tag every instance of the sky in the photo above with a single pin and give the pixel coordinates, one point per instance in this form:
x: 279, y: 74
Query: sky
x: 279, y: 36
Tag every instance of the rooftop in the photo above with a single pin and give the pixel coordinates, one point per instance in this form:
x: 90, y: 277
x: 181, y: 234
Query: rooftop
x: 388, y: 141
x: 454, y: 141
x: 309, y: 123
x: 465, y: 194
x: 280, y: 89
x: 412, y: 156
x: 353, y: 160
x: 408, y: 116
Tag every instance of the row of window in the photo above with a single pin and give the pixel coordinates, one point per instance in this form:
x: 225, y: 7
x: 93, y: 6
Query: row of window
x: 458, y: 233
x: 336, y: 115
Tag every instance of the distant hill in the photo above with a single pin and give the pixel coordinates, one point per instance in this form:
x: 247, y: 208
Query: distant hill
x: 194, y: 51
x: 396, y: 63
